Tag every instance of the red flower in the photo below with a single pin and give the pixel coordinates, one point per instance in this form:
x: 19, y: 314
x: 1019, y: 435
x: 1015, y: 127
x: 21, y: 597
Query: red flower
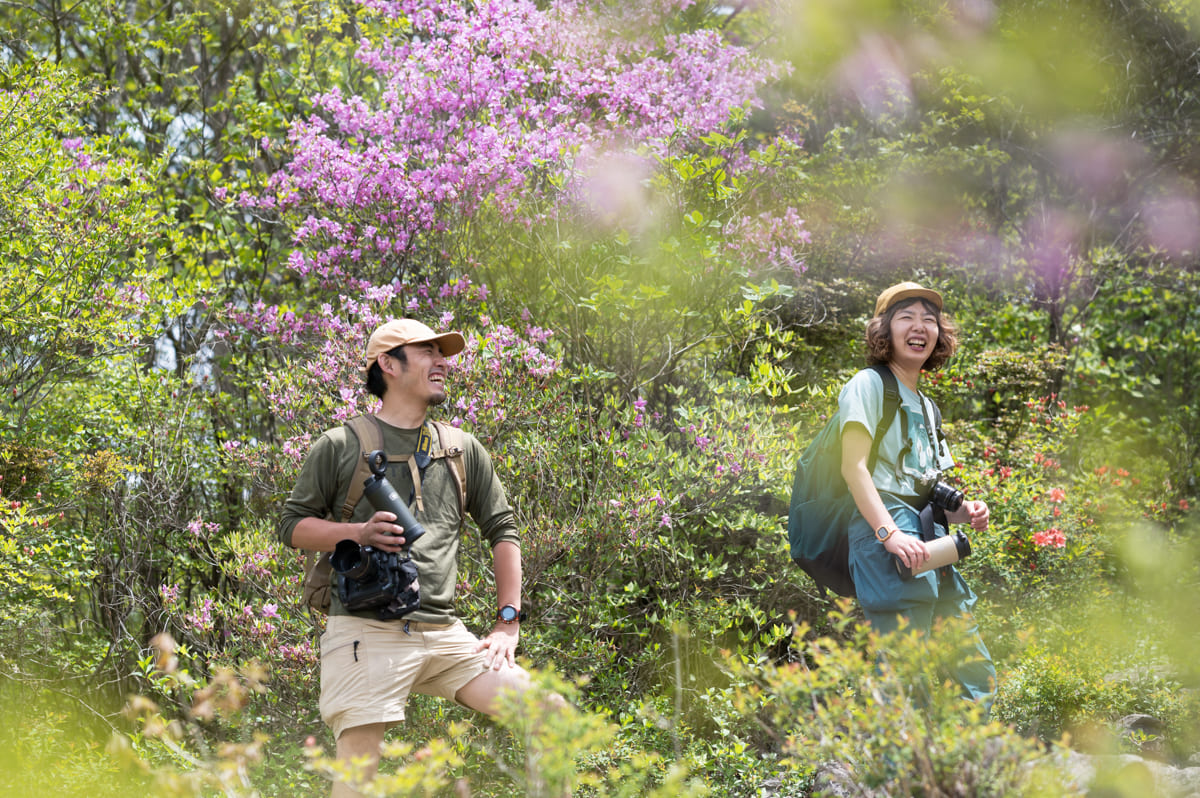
x: 1050, y: 537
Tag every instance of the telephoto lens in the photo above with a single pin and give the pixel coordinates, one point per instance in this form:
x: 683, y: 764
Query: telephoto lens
x: 383, y: 496
x: 943, y: 551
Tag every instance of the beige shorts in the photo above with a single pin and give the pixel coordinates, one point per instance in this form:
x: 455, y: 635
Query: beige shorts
x: 369, y: 667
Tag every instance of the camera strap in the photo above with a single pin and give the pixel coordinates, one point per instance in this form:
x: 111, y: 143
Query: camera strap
x: 933, y: 447
x: 934, y: 429
x: 450, y: 447
x: 418, y: 462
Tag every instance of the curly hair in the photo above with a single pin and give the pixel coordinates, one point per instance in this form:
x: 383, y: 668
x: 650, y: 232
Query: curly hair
x: 879, y: 337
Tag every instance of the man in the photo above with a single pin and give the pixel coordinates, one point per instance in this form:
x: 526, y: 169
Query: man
x: 369, y: 666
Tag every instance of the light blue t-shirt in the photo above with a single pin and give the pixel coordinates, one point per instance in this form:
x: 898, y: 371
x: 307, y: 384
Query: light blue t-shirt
x: 861, y: 401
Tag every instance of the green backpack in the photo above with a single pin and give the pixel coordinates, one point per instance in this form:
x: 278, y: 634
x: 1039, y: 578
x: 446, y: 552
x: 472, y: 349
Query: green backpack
x: 821, y: 505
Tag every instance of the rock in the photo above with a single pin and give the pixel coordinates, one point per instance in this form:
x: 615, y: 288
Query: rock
x: 1126, y: 774
x: 1147, y: 733
x: 836, y: 780
x: 770, y: 788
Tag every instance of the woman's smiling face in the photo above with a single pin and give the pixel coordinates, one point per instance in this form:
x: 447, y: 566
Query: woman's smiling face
x: 914, y: 329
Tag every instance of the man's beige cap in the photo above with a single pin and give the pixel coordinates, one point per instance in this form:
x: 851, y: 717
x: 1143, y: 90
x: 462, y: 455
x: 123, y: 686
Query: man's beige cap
x: 402, y: 332
x: 899, y: 291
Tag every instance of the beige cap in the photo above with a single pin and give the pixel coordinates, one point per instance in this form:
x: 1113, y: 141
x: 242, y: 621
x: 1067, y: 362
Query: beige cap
x: 401, y: 332
x: 899, y: 291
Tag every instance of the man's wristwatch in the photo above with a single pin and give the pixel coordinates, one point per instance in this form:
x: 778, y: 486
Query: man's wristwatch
x: 510, y: 614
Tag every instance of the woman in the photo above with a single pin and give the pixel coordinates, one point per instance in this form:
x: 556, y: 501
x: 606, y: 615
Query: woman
x: 895, y: 518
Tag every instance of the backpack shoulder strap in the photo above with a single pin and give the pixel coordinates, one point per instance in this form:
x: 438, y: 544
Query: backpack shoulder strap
x: 891, y: 403
x: 370, y: 438
x: 450, y: 447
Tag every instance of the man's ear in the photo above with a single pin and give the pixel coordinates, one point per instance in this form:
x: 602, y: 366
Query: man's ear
x: 387, y: 364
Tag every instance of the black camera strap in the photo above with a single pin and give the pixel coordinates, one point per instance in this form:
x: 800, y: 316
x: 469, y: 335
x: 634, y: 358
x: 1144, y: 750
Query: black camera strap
x: 418, y: 462
x: 424, y: 446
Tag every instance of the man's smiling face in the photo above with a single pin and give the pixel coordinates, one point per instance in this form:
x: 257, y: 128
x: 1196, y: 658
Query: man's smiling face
x: 424, y: 374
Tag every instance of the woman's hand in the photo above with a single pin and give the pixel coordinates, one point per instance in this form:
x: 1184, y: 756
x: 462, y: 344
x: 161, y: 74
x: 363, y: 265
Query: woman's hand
x: 974, y: 512
x: 911, y: 550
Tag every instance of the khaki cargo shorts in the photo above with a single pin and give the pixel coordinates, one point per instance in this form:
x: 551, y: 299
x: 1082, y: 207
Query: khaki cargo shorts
x: 369, y: 667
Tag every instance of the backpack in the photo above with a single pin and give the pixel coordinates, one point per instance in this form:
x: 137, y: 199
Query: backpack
x: 317, y: 569
x: 821, y: 506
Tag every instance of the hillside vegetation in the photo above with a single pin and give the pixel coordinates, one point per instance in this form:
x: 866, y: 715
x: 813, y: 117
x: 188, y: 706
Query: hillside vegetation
x: 661, y: 227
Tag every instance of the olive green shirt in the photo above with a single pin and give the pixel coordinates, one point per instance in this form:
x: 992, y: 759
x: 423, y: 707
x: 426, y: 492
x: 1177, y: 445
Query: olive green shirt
x: 324, y: 480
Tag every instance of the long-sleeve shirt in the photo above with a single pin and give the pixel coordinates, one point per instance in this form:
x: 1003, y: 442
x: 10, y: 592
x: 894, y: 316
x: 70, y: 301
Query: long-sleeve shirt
x: 324, y: 480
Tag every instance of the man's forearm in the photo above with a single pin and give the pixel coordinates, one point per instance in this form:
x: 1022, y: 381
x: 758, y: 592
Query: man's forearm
x: 320, y: 534
x: 507, y: 567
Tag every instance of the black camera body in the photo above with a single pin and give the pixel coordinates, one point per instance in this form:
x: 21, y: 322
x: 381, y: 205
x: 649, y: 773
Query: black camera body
x: 940, y: 494
x: 372, y: 579
x: 376, y: 580
x: 946, y: 497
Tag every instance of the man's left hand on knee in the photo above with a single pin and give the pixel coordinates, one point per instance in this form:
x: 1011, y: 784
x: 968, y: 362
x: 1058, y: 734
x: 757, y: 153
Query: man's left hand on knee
x: 500, y: 646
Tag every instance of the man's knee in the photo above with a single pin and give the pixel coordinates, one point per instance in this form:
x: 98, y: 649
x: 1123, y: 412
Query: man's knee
x: 482, y: 693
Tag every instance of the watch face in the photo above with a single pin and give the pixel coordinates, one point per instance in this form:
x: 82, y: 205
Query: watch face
x: 508, y: 614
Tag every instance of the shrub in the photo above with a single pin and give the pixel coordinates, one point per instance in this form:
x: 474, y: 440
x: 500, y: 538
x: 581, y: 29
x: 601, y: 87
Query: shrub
x: 879, y: 707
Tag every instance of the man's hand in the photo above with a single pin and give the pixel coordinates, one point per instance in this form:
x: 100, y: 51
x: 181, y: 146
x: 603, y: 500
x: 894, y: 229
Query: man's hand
x: 500, y: 647
x: 381, y: 532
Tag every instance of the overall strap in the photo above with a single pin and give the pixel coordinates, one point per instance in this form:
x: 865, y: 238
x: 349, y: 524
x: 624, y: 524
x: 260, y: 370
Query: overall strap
x: 450, y: 448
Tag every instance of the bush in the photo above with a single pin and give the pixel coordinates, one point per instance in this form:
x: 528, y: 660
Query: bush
x: 878, y: 710
x: 1084, y: 656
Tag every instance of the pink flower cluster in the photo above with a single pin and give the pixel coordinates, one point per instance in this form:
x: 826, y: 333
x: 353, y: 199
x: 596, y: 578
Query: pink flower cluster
x: 258, y: 624
x: 257, y: 566
x: 770, y: 240
x: 200, y: 528
x: 489, y: 102
x: 299, y: 654
x: 202, y: 619
x: 330, y: 386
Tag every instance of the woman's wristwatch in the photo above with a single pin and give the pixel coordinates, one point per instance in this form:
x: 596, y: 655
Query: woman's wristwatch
x: 884, y: 532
